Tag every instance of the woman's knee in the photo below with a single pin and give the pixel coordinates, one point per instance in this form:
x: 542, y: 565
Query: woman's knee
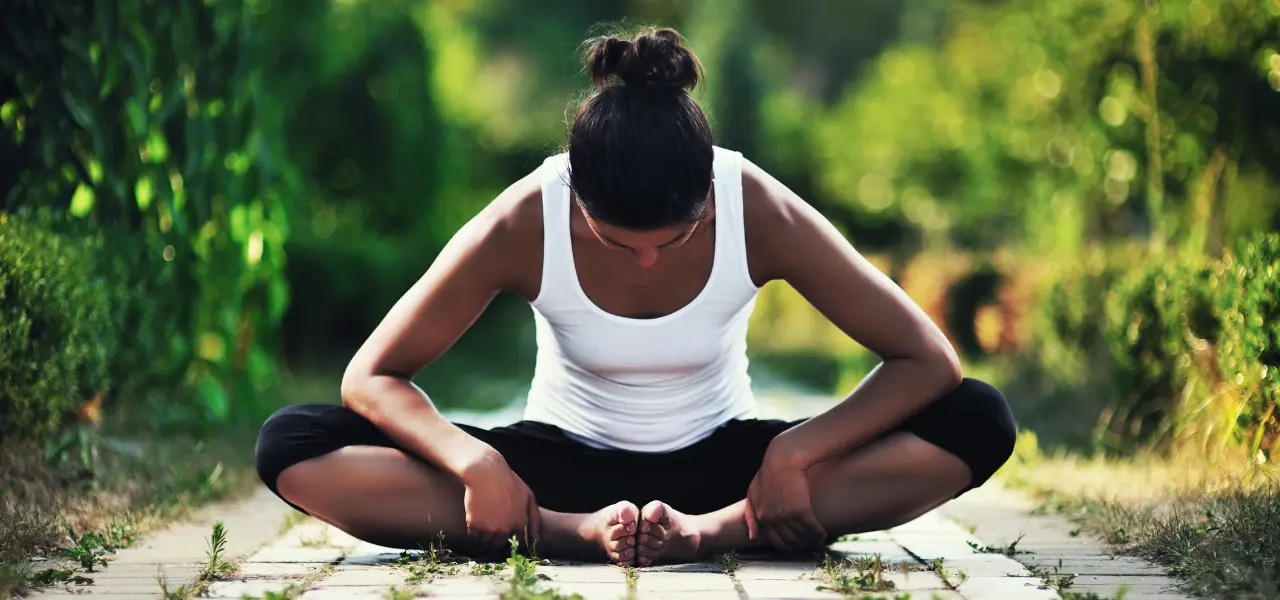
x: 973, y: 422
x: 289, y: 436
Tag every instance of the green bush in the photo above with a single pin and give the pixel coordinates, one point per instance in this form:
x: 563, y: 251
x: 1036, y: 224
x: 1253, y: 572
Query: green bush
x: 1176, y: 352
x: 1249, y: 352
x: 58, y: 326
x: 149, y: 123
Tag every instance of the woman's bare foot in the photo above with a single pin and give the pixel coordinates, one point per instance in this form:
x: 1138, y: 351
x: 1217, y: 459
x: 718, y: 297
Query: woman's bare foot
x: 614, y: 529
x: 666, y: 535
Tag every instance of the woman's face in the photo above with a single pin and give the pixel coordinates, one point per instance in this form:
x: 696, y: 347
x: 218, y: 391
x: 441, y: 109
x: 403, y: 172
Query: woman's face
x: 645, y: 246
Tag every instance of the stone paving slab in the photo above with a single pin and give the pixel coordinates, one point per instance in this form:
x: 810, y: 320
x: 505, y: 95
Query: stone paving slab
x: 1000, y: 516
x: 178, y: 551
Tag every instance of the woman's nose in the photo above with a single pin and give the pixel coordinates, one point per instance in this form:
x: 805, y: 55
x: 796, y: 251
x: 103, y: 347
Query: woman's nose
x: 646, y: 256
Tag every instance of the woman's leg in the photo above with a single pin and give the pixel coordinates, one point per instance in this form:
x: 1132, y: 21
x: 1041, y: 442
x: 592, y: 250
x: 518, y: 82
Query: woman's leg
x: 953, y: 445
x: 337, y: 466
x: 383, y: 496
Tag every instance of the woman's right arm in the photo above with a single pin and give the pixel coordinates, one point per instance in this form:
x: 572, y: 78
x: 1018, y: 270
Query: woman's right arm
x: 486, y: 256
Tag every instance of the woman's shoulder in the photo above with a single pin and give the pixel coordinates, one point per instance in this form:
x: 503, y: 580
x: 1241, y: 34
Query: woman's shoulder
x: 508, y: 233
x: 774, y: 218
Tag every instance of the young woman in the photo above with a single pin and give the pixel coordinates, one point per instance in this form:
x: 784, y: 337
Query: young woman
x: 641, y: 250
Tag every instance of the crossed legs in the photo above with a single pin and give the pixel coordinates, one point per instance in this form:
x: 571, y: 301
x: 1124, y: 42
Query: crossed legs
x: 391, y: 499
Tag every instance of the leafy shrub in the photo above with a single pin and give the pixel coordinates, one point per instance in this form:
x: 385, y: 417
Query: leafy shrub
x: 149, y: 122
x: 1249, y: 353
x: 58, y: 326
x: 1181, y: 351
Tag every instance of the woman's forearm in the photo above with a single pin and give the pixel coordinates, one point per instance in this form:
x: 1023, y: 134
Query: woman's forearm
x: 891, y: 393
x: 404, y: 412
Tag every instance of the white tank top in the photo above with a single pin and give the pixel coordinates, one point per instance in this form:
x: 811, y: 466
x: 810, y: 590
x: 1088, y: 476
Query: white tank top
x: 644, y: 385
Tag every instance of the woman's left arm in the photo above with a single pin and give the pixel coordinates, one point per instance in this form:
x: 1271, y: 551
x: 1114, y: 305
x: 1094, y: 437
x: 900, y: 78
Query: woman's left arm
x: 790, y: 240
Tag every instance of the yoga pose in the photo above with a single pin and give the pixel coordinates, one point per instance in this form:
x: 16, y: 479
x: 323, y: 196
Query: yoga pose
x: 641, y: 249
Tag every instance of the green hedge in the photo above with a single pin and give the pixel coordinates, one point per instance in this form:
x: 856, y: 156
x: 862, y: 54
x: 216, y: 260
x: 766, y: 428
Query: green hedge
x: 1181, y: 351
x: 148, y: 122
x: 59, y: 326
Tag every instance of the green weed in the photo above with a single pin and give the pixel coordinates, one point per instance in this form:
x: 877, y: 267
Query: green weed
x: 88, y: 549
x: 292, y: 519
x: 320, y: 540
x: 408, y: 593
x: 851, y: 576
x: 217, y: 552
x: 524, y: 579
x: 952, y: 578
x: 1124, y: 591
x: 1055, y: 579
x: 434, y: 560
x: 485, y: 569
x: 729, y: 562
x: 1009, y: 551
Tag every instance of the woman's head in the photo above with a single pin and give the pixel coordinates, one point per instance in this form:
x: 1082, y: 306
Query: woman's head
x: 640, y: 147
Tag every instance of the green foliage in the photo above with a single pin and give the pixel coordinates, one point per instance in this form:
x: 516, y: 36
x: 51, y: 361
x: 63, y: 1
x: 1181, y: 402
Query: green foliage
x: 1179, y: 351
x: 58, y: 325
x: 88, y: 549
x: 524, y: 581
x: 149, y: 123
x: 217, y: 552
x: 1249, y: 348
x: 1053, y: 124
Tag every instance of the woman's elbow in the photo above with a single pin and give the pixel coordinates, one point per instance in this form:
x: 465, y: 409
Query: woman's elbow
x: 946, y: 363
x: 355, y: 390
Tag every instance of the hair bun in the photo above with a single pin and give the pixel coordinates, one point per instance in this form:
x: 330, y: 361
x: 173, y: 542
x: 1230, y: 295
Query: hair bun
x: 654, y: 58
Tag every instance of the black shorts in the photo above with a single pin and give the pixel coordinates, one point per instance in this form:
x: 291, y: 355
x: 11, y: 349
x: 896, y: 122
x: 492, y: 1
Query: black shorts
x: 972, y: 422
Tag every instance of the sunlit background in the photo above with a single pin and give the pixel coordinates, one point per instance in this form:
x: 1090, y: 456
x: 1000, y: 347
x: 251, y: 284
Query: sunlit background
x: 204, y: 201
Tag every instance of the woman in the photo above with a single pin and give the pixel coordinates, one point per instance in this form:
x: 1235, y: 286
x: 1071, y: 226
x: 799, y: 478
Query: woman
x: 641, y: 250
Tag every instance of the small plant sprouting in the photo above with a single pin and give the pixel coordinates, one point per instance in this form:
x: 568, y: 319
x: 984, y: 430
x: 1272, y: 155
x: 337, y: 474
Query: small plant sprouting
x: 485, y: 569
x: 435, y: 559
x: 320, y: 540
x: 88, y: 549
x: 217, y: 552
x: 850, y: 576
x: 729, y: 562
x: 408, y: 593
x: 1055, y: 579
x: 952, y: 579
x: 1009, y: 551
x: 523, y: 582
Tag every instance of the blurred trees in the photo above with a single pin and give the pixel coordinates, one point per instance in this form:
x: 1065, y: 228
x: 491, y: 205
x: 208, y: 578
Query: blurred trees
x: 148, y: 123
x: 206, y: 141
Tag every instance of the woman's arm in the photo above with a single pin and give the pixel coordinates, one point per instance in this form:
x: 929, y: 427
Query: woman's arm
x: 789, y: 240
x: 794, y: 242
x: 483, y: 258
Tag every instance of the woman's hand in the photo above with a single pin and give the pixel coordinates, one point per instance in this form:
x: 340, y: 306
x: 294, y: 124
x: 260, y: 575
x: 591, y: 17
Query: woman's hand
x: 778, y: 508
x: 498, y: 504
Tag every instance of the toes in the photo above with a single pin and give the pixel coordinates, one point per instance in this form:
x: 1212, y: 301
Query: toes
x: 652, y: 542
x: 623, y: 557
x: 655, y: 512
x: 619, y: 531
x: 627, y: 514
x: 621, y: 544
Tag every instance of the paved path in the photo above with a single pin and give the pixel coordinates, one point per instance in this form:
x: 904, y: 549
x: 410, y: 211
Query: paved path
x: 314, y: 561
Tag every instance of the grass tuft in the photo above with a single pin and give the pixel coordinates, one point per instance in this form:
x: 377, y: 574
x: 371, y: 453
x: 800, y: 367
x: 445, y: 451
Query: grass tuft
x: 434, y: 560
x: 218, y: 566
x: 1209, y: 520
x: 953, y: 578
x: 729, y: 562
x: 850, y: 576
x: 523, y: 583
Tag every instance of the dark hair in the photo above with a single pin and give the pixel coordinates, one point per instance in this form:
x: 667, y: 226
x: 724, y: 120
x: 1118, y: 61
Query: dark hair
x: 640, y: 147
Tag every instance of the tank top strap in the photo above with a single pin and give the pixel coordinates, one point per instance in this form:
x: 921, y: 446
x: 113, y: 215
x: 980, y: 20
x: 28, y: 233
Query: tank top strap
x: 557, y: 255
x: 728, y: 174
